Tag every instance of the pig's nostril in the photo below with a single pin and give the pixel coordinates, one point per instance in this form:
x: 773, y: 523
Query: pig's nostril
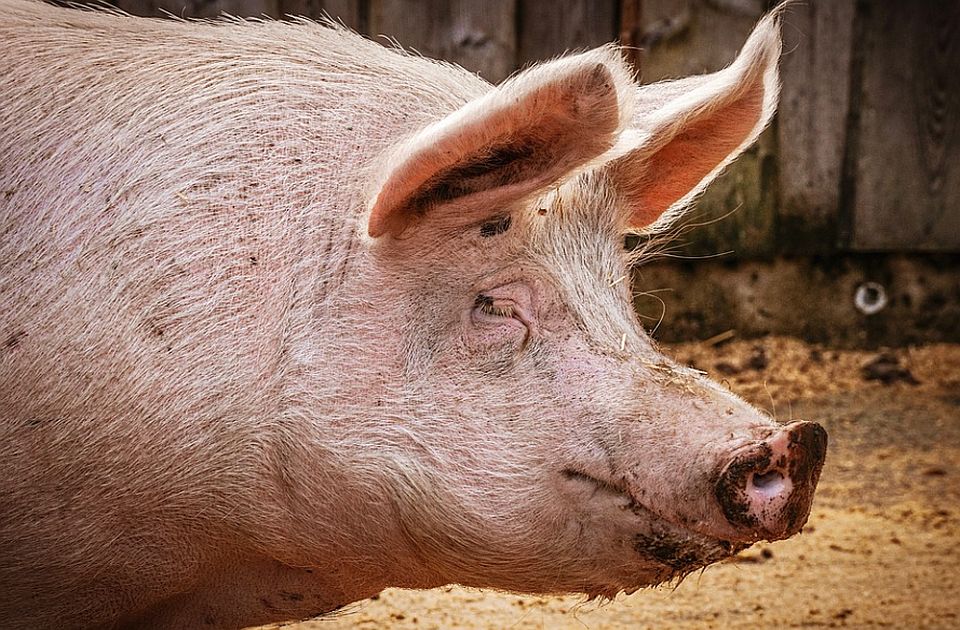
x: 767, y: 479
x: 770, y: 482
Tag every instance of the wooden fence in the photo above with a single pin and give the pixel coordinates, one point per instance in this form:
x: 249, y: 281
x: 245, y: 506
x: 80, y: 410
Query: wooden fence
x: 862, y: 156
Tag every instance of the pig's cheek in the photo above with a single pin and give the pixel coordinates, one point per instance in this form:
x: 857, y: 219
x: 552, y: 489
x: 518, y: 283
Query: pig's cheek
x: 580, y: 366
x: 505, y: 336
x: 491, y: 354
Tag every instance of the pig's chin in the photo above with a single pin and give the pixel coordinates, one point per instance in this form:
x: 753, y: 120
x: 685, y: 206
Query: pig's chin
x: 664, y: 551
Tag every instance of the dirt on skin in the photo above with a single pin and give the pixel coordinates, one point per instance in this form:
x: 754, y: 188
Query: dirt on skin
x: 881, y: 548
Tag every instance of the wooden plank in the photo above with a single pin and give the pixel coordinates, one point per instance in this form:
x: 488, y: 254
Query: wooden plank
x: 480, y: 36
x: 201, y: 8
x: 483, y: 37
x: 907, y: 187
x: 151, y: 8
x: 351, y: 13
x: 245, y: 8
x: 629, y: 35
x: 685, y: 37
x: 812, y: 122
x: 548, y: 29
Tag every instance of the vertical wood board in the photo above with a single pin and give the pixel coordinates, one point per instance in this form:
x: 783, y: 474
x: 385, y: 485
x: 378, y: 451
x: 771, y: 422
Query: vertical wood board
x: 480, y: 36
x: 812, y: 122
x: 684, y: 37
x: 201, y: 8
x: 350, y: 13
x: 907, y: 188
x: 549, y: 29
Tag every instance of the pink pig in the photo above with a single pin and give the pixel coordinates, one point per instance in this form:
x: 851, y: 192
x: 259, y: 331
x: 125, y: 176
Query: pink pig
x: 287, y: 317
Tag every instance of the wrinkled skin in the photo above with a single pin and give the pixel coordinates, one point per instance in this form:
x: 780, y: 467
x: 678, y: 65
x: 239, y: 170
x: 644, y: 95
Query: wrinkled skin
x: 288, y: 318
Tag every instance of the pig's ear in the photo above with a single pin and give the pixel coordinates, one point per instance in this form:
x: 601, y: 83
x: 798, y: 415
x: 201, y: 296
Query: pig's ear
x: 517, y: 140
x: 685, y: 132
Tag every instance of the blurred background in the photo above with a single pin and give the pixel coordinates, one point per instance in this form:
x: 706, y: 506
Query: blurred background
x: 841, y: 226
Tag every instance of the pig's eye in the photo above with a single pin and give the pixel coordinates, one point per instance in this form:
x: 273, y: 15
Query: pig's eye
x: 490, y: 306
x: 502, y: 317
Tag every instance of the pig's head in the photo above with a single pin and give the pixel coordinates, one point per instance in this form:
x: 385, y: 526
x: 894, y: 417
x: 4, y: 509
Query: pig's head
x: 532, y: 435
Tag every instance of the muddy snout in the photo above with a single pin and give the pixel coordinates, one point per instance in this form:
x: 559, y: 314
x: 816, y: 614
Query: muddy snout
x: 766, y: 489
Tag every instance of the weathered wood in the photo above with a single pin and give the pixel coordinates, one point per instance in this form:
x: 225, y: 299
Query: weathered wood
x: 351, y: 13
x: 907, y: 188
x: 629, y: 36
x: 480, y: 36
x: 548, y: 29
x: 201, y: 8
x: 812, y: 121
x: 684, y: 37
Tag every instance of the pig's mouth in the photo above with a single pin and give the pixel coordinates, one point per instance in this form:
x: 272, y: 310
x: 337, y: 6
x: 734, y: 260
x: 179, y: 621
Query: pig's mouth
x: 677, y: 549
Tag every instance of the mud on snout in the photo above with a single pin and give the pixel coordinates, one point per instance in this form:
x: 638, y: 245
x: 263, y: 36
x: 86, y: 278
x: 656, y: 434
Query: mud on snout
x: 766, y: 488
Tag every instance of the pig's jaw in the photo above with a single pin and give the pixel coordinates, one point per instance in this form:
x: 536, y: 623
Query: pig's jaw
x: 665, y: 551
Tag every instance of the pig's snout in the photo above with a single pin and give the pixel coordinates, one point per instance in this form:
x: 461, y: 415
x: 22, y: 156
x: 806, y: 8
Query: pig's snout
x: 766, y: 489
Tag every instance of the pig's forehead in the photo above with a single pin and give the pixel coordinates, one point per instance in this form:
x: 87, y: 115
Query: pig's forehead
x: 577, y: 225
x: 577, y: 235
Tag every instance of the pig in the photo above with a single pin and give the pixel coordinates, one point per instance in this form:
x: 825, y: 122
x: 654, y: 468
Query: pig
x: 288, y: 317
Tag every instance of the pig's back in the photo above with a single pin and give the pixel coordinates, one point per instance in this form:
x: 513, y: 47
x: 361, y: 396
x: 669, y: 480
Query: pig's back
x: 175, y: 199
x: 167, y: 188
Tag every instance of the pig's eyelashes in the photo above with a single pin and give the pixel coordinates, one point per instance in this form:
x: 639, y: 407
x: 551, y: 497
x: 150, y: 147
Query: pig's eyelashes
x: 489, y: 306
x: 499, y: 321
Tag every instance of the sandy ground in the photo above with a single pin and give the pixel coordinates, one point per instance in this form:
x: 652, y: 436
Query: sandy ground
x: 881, y: 548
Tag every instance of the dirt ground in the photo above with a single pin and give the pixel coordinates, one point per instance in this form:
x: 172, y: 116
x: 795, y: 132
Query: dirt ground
x: 881, y: 548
